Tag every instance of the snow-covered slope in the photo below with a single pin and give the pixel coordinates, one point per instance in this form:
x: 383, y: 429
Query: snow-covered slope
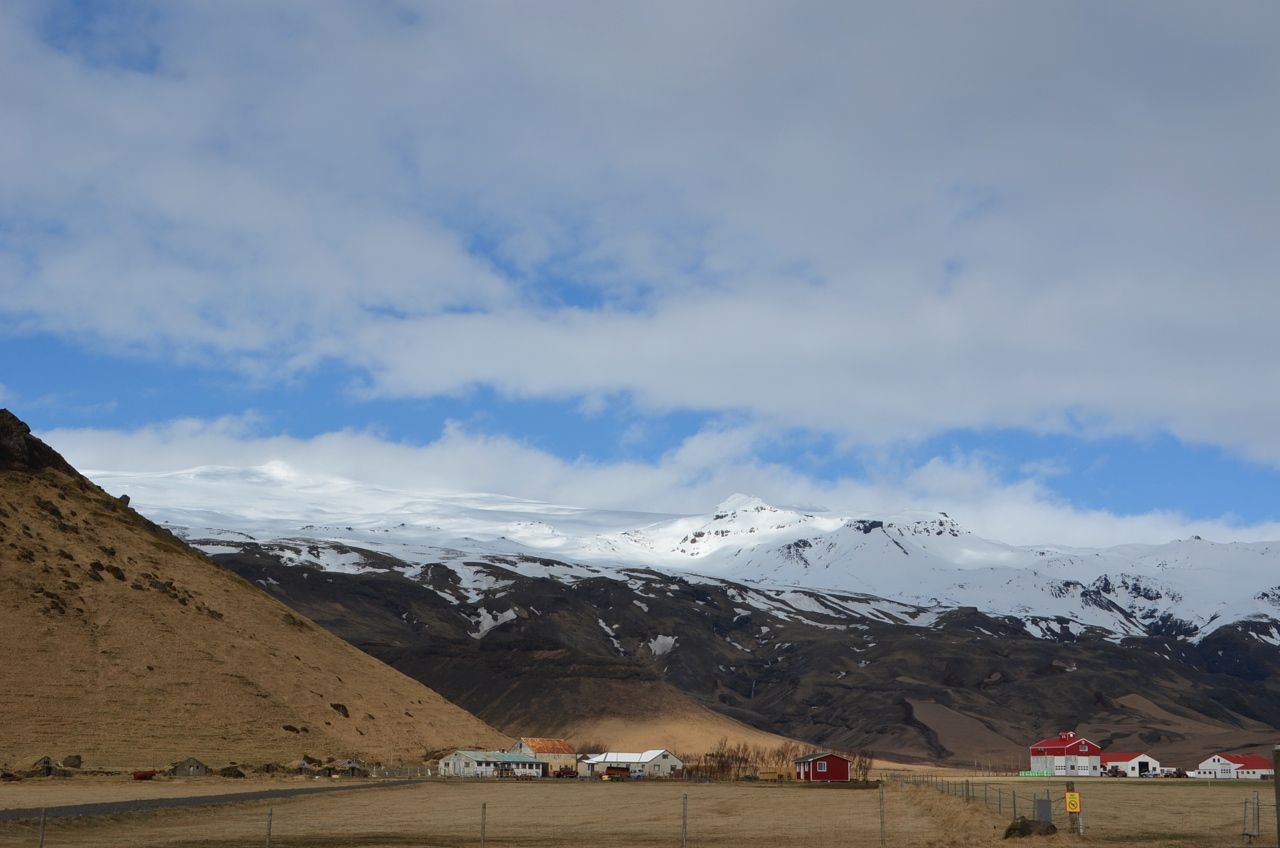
x: 1184, y: 588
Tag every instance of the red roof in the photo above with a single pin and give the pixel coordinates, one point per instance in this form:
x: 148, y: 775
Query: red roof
x: 1061, y: 743
x: 1248, y: 761
x: 1120, y: 757
x: 547, y: 746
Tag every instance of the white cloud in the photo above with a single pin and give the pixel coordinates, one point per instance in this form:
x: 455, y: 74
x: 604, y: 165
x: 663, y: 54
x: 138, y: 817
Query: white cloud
x: 694, y: 477
x: 6, y: 396
x: 883, y: 223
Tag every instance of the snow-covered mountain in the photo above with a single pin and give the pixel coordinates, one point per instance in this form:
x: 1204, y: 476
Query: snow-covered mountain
x: 927, y: 562
x: 905, y: 634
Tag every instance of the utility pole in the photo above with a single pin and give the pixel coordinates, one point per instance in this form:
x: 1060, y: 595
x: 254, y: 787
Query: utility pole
x: 1074, y: 809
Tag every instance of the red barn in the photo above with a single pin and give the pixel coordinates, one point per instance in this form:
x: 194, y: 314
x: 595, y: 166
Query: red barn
x: 823, y: 767
x: 1066, y: 754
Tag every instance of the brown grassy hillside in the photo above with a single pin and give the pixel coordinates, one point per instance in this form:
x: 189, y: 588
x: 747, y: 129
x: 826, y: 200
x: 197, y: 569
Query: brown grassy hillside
x: 125, y: 646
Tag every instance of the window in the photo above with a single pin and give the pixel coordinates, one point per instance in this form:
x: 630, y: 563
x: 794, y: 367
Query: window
x: 822, y: 766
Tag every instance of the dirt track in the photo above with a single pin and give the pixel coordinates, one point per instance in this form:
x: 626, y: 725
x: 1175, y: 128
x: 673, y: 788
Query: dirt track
x: 111, y: 808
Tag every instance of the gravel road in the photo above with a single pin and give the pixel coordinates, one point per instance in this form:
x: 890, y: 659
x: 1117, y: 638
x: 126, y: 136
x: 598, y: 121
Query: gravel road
x: 112, y: 808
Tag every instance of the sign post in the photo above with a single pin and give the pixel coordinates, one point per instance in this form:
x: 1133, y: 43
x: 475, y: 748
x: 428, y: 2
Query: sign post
x: 1072, y: 799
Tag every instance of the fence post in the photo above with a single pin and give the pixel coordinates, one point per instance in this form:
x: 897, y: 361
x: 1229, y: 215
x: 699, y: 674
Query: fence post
x: 999, y: 800
x: 881, y: 815
x: 1275, y: 765
x: 42, y: 827
x: 1257, y: 816
x: 1015, y: 803
x: 484, y: 815
x: 270, y: 810
x: 684, y: 823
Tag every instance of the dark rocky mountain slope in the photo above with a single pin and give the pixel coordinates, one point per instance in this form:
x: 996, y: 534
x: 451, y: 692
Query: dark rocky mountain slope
x: 529, y: 642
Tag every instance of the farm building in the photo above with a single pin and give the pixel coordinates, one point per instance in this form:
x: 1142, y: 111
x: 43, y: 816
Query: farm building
x: 656, y: 762
x: 1236, y: 767
x: 554, y: 754
x: 489, y: 764
x: 190, y: 767
x: 350, y: 768
x: 823, y: 767
x: 1130, y: 763
x: 1066, y: 754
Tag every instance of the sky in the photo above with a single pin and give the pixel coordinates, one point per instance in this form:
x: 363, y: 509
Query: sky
x: 1011, y: 261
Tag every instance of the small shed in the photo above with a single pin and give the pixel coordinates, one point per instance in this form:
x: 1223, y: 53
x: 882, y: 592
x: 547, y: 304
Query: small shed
x: 190, y: 767
x: 823, y: 767
x: 350, y: 768
x: 45, y: 767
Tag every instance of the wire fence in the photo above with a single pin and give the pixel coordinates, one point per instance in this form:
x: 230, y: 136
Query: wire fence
x: 903, y: 810
x: 541, y: 814
x: 1133, y: 811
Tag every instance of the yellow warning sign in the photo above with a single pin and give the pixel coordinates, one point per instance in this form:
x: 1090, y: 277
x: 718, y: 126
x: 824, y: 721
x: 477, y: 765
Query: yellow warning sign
x: 1073, y: 802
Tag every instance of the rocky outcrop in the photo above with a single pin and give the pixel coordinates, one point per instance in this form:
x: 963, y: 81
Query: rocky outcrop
x: 21, y: 451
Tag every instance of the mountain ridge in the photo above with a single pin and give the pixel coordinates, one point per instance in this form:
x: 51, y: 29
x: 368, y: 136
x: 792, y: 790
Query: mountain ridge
x: 458, y: 590
x: 917, y: 558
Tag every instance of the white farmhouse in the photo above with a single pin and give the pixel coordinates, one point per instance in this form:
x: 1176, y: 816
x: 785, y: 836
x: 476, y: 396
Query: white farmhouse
x: 1236, y: 767
x: 489, y: 764
x: 656, y: 762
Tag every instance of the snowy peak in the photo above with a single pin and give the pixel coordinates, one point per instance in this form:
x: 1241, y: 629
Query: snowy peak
x: 739, y: 521
x: 743, y: 503
x: 926, y: 559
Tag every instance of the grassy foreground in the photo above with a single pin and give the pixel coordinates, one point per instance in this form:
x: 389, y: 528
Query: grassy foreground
x: 1178, y: 814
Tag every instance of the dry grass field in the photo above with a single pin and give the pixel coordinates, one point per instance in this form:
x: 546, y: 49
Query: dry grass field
x: 1152, y: 812
x: 540, y: 814
x: 1165, y: 813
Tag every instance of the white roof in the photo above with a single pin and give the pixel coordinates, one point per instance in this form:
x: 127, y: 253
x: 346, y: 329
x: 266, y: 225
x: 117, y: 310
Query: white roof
x: 622, y: 757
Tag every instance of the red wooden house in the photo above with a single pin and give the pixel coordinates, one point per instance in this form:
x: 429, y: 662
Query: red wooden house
x: 823, y: 767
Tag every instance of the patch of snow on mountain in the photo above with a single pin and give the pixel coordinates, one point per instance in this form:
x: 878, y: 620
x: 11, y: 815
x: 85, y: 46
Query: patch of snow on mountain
x: 662, y: 645
x: 487, y: 621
